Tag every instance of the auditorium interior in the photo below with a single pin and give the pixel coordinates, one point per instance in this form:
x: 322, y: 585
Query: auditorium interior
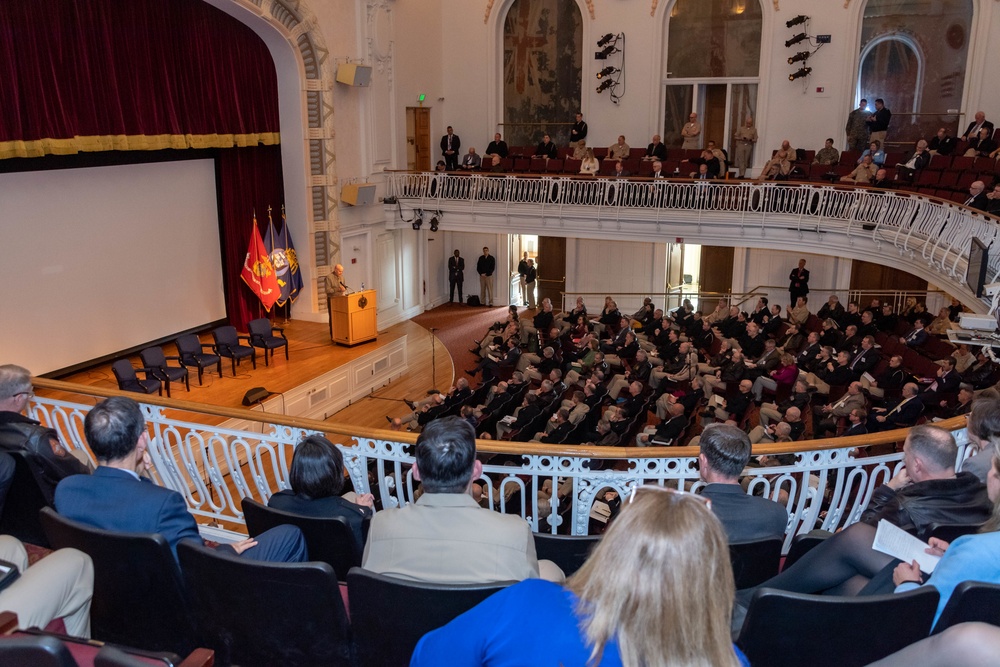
x: 145, y: 146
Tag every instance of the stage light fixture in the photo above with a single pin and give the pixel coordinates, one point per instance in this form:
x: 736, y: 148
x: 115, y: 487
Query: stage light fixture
x: 798, y: 20
x: 604, y: 40
x: 605, y: 52
x: 801, y: 37
x: 607, y: 83
x: 434, y: 223
x: 801, y: 56
x: 607, y: 71
x: 418, y: 220
x: 805, y: 71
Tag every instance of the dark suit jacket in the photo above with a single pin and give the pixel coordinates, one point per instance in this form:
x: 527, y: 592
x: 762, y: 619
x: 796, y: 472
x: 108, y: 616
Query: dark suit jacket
x: 864, y: 362
x: 113, y: 499
x: 545, y: 150
x: 979, y: 202
x: 915, y: 337
x: 746, y: 518
x: 332, y: 506
x: 456, y: 269
x: 906, y: 415
x: 497, y: 148
x: 659, y: 151
x: 456, y: 143
x: 986, y: 123
x: 670, y: 429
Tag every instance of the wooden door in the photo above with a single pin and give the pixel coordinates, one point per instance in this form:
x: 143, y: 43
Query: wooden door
x: 716, y: 269
x: 871, y: 277
x: 422, y: 137
x: 551, y: 262
x: 714, y: 123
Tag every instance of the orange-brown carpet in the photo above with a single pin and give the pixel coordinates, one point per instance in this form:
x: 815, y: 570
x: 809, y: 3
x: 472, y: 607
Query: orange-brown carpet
x: 457, y: 326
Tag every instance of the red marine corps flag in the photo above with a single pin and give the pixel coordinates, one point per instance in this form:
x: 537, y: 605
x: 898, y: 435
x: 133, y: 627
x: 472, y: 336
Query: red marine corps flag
x: 258, y: 272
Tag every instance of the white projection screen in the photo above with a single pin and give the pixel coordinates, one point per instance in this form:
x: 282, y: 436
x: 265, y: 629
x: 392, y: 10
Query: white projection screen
x: 102, y: 259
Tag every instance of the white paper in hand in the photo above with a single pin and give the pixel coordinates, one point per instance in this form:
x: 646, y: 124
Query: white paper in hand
x: 896, y: 542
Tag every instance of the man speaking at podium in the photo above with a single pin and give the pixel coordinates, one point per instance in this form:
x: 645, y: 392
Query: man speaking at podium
x: 335, y: 282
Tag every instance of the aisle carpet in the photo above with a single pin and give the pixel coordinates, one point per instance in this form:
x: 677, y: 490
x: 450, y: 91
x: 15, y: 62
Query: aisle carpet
x: 457, y: 325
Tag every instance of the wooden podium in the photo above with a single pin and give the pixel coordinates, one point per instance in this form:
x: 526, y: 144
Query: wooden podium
x: 353, y: 317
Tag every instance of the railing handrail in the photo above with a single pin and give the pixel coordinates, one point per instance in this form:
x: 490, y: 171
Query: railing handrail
x: 487, y: 446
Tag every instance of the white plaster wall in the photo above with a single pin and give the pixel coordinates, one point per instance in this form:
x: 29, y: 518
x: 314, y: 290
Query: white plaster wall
x: 614, y: 267
x: 768, y: 270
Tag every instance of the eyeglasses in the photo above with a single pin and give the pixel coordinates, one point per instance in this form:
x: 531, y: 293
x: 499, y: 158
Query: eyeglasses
x: 29, y: 394
x: 667, y: 489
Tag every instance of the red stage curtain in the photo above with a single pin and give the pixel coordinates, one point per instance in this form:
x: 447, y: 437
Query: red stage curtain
x: 249, y: 180
x: 94, y: 75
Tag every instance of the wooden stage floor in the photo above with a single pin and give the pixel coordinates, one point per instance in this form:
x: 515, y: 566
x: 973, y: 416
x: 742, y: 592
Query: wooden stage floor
x: 311, y: 353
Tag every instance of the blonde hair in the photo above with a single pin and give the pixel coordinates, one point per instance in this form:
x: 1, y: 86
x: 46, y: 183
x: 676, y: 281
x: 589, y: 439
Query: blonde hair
x: 660, y: 583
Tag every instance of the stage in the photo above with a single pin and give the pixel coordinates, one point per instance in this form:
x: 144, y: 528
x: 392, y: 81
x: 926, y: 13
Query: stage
x: 315, y: 365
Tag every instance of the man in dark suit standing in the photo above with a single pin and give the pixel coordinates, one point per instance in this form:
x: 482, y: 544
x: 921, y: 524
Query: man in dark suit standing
x: 450, y: 143
x: 456, y: 276
x: 725, y: 451
x: 878, y: 122
x: 798, y: 282
x: 116, y: 498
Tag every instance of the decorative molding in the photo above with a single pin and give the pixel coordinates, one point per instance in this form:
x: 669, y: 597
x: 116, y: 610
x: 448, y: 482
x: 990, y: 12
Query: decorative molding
x: 489, y: 8
x: 590, y: 8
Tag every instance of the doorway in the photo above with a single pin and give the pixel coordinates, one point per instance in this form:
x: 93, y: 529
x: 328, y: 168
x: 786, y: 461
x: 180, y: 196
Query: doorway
x: 519, y: 245
x: 418, y: 139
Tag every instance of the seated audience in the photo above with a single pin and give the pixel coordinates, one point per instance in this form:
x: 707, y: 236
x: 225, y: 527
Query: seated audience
x: 925, y: 491
x: 545, y: 149
x: 827, y: 415
x: 875, y: 152
x: 60, y: 585
x: 657, y: 590
x: 863, y: 174
x: 828, y: 155
x: 445, y: 536
x: 907, y: 171
x: 983, y: 432
x: 656, y: 150
x: 963, y: 644
x: 49, y: 460
x: 317, y: 480
x: 982, y: 145
x: 470, y: 160
x: 904, y: 411
x: 497, y: 147
x: 619, y: 151
x: 580, y: 150
x: 799, y: 314
x: 589, y: 164
x: 725, y: 452
x: 115, y: 498
x: 942, y: 143
x: 779, y: 166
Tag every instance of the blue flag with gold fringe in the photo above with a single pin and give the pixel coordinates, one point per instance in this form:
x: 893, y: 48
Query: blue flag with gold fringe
x: 294, y: 272
x: 279, y: 259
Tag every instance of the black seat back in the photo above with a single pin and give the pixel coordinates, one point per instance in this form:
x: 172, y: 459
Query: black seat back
x: 25, y: 499
x: 755, y: 562
x: 783, y: 628
x: 384, y: 636
x: 567, y: 551
x: 971, y: 601
x: 139, y: 599
x: 328, y: 539
x: 255, y: 613
x: 25, y: 651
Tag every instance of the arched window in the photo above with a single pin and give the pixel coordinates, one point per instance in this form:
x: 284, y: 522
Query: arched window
x: 913, y: 55
x: 543, y: 65
x: 713, y: 67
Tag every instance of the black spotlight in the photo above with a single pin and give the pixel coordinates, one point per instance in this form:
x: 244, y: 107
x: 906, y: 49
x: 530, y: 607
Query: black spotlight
x: 607, y: 71
x: 605, y: 52
x: 605, y: 85
x: 801, y: 56
x: 418, y: 220
x: 805, y: 71
x: 798, y: 20
x: 801, y: 37
x: 604, y: 40
x: 434, y: 223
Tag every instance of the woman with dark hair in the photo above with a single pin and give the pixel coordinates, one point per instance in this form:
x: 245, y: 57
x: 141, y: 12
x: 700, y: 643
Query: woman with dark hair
x: 317, y: 480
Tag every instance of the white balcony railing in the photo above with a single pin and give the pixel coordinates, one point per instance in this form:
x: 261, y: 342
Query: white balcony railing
x: 927, y: 236
x: 213, y: 468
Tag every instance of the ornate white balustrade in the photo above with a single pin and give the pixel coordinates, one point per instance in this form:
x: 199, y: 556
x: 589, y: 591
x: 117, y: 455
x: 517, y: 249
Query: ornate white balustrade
x: 923, y: 235
x: 214, y: 467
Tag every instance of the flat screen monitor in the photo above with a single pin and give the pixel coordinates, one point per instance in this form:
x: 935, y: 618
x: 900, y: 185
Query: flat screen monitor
x: 975, y: 275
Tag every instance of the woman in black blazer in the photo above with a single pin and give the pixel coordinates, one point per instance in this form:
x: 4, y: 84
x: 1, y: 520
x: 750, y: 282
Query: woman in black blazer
x: 317, y: 480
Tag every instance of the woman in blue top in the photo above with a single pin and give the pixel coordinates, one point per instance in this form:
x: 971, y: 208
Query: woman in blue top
x: 658, y: 590
x: 875, y: 150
